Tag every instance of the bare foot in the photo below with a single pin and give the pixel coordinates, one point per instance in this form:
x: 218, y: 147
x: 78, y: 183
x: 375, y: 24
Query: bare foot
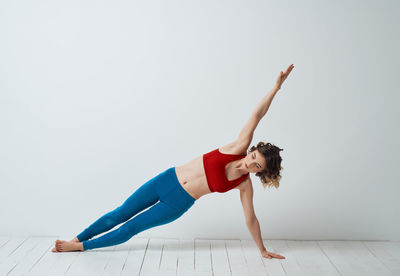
x: 73, y: 240
x: 65, y: 246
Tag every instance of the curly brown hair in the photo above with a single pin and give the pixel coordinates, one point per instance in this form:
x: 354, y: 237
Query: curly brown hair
x: 271, y: 175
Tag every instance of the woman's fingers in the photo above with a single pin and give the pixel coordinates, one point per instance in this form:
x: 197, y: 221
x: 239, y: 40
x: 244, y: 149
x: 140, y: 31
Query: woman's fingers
x: 288, y: 70
x: 271, y: 255
x: 276, y: 256
x: 283, y: 75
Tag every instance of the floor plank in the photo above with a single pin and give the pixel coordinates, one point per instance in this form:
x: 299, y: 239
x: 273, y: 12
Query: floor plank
x: 290, y: 265
x: 169, y: 258
x: 219, y: 256
x: 137, y: 251
x: 202, y: 265
x: 387, y: 252
x: 353, y: 258
x: 32, y: 256
x: 90, y: 262
x: 237, y: 260
x: 152, y: 258
x: 311, y: 258
x: 117, y: 260
x: 3, y: 240
x: 186, y: 258
x: 13, y: 251
x: 274, y: 266
x: 45, y: 263
x: 253, y: 258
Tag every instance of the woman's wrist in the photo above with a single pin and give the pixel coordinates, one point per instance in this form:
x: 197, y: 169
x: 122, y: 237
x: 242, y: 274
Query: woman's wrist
x: 276, y: 88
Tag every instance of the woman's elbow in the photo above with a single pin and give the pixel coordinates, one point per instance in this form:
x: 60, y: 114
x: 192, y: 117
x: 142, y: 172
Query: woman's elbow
x: 251, y: 219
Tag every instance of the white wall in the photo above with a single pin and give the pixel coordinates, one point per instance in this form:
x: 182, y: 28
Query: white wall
x: 97, y: 97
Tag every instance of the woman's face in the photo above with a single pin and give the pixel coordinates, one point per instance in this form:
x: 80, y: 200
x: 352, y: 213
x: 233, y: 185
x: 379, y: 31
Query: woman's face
x: 255, y: 161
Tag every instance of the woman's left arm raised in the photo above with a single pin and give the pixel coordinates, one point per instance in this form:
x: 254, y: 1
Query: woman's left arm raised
x: 246, y: 134
x: 264, y: 104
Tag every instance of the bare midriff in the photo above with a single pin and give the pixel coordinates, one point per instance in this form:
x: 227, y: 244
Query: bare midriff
x: 192, y: 177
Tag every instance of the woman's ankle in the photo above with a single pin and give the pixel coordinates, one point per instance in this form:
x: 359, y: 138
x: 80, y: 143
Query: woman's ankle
x: 75, y: 240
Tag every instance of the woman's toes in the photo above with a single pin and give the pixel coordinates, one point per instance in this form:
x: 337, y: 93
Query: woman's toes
x: 58, y: 246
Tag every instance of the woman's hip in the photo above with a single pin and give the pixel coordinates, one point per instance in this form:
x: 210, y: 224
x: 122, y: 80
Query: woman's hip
x: 170, y: 191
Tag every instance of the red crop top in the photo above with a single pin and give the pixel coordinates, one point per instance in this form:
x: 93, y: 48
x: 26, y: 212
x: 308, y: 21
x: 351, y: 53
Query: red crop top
x: 214, y: 167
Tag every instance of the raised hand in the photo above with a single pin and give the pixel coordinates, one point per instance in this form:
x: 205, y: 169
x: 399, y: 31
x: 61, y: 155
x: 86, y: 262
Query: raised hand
x: 282, y: 76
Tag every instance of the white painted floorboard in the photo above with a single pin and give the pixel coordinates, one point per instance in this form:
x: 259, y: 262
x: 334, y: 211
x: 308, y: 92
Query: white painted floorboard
x: 32, y: 255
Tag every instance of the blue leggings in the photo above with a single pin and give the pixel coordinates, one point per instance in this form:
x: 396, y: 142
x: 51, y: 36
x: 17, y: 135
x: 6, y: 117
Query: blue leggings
x: 169, y: 200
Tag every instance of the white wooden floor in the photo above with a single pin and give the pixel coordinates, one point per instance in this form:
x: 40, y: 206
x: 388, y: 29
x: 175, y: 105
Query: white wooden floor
x: 141, y: 256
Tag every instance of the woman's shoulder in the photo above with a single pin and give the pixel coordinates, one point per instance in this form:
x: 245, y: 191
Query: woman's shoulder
x: 233, y: 148
x: 245, y: 184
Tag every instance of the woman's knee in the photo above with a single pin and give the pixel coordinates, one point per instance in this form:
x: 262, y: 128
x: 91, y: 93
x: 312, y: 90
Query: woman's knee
x: 116, y: 216
x: 127, y: 231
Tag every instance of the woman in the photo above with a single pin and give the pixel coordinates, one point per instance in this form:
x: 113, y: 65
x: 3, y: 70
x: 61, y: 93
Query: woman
x: 172, y: 192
